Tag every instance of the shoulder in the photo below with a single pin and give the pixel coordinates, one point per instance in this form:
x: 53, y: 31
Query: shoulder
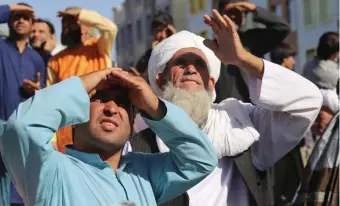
x: 226, y: 104
x: 36, y: 57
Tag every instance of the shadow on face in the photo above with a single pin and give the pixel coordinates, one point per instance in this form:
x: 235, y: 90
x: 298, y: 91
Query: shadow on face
x: 20, y: 24
x: 109, y: 126
x: 71, y: 31
x: 187, y: 69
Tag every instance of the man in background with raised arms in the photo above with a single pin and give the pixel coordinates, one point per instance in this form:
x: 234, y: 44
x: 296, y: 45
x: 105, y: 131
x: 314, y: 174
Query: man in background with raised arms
x: 82, y: 55
x: 19, y: 66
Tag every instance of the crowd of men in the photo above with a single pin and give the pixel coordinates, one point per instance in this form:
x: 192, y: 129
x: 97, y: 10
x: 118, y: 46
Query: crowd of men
x: 196, y: 122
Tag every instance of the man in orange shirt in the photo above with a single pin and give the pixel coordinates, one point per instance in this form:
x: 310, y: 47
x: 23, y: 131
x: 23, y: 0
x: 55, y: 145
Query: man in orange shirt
x: 82, y: 55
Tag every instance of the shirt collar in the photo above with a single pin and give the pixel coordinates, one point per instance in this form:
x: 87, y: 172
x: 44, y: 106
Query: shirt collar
x: 94, y: 159
x: 14, y: 43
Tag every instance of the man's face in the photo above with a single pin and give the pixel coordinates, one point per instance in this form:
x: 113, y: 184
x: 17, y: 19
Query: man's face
x: 289, y: 62
x: 109, y: 126
x: 186, y: 83
x: 160, y: 33
x: 188, y: 69
x: 40, y: 34
x: 21, y: 23
x: 71, y: 31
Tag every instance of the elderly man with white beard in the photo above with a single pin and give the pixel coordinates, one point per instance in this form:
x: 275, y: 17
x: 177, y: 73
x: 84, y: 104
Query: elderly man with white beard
x: 183, y: 69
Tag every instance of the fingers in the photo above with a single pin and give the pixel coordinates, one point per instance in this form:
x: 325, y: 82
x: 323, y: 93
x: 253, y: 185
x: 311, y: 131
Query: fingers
x: 30, y: 84
x: 219, y: 23
x: 230, y: 24
x: 219, y: 19
x: 211, y: 23
x: 125, y: 79
x: 37, y: 77
x: 134, y: 71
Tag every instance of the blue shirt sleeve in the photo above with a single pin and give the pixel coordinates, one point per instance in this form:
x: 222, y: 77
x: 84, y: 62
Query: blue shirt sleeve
x: 5, y: 13
x: 25, y: 143
x: 191, y: 157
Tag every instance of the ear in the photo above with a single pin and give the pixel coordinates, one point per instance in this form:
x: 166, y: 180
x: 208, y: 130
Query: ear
x: 211, y: 84
x: 160, y: 80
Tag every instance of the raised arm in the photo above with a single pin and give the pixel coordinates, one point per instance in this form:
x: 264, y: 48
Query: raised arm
x: 5, y: 13
x: 286, y: 106
x: 108, y: 30
x: 25, y: 144
x: 263, y: 40
x: 191, y: 157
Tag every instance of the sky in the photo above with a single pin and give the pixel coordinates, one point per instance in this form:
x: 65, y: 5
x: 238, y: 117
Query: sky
x: 48, y: 9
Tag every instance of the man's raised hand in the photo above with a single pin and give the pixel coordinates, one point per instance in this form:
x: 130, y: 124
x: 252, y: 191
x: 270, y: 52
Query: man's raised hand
x: 32, y: 86
x: 70, y: 12
x: 15, y: 8
x: 227, y: 47
x: 140, y: 93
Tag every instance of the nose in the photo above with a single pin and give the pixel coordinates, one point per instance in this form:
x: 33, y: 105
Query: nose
x: 190, y: 70
x: 110, y: 109
x: 21, y: 19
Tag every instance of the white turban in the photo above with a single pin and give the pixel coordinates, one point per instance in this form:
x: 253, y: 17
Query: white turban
x: 166, y: 49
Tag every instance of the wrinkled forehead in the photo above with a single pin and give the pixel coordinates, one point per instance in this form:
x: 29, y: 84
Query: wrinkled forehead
x: 189, y: 51
x: 188, y: 55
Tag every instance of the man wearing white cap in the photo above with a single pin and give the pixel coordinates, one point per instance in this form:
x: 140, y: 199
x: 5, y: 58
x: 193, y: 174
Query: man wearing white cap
x: 184, y: 68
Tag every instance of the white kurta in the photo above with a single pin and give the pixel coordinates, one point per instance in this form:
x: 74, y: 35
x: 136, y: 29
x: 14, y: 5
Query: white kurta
x: 286, y: 104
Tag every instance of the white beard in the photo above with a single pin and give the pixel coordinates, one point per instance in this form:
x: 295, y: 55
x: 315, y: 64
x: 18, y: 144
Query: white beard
x: 196, y: 104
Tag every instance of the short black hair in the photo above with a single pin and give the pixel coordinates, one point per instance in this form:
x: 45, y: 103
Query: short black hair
x: 161, y: 18
x: 328, y: 45
x: 223, y: 3
x: 282, y: 51
x: 49, y: 24
x: 24, y: 4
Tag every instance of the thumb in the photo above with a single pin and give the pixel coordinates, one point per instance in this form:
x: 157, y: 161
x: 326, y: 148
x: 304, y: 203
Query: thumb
x: 37, y: 77
x: 211, y: 45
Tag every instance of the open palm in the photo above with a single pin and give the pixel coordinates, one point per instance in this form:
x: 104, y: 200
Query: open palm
x: 227, y: 46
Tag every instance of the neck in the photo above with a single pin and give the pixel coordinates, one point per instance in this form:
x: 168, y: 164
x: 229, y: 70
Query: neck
x: 21, y: 42
x: 112, y: 159
x: 75, y: 45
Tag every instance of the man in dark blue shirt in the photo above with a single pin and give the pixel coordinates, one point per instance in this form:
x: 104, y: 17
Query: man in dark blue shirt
x: 22, y: 71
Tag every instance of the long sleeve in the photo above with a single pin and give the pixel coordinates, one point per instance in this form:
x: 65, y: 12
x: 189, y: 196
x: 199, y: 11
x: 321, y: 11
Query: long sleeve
x: 190, y: 160
x: 5, y: 13
x: 50, y: 77
x: 286, y: 106
x: 263, y: 40
x: 108, y: 30
x: 25, y: 144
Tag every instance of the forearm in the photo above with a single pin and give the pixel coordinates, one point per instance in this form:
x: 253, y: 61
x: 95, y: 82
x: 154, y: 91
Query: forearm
x: 270, y: 19
x: 252, y: 64
x: 108, y: 30
x: 50, y: 77
x: 93, y: 19
x: 191, y: 155
x: 5, y: 13
x: 49, y: 109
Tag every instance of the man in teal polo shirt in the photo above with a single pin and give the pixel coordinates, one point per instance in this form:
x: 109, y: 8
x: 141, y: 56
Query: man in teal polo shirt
x: 93, y: 171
